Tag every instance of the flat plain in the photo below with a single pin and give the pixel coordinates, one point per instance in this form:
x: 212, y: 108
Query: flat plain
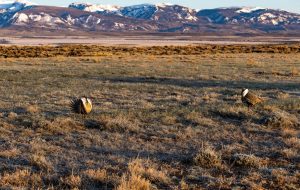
x: 129, y: 39
x: 159, y: 122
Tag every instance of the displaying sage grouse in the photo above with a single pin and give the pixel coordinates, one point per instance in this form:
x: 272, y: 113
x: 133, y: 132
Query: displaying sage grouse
x: 249, y: 98
x: 81, y: 105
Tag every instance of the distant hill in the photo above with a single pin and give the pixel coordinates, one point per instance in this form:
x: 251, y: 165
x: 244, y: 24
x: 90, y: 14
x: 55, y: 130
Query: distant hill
x: 83, y: 17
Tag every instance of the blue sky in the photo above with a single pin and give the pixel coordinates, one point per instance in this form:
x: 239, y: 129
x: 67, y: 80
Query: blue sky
x: 289, y: 5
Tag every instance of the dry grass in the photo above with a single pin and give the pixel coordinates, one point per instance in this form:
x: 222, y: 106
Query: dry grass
x: 295, y: 72
x: 118, y: 123
x: 134, y: 178
x: 41, y: 162
x: 149, y: 171
x: 281, y: 119
x: 246, y: 160
x: 98, y: 175
x: 159, y: 121
x: 207, y: 158
x: 293, y: 142
x: 63, y: 51
x: 134, y: 182
x: 32, y: 109
x: 20, y: 178
x: 10, y: 153
x: 72, y: 181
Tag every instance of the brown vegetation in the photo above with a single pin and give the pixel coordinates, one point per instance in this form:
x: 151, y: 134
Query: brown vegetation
x: 96, y: 50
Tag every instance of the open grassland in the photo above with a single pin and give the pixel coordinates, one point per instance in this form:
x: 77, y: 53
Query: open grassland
x: 159, y: 122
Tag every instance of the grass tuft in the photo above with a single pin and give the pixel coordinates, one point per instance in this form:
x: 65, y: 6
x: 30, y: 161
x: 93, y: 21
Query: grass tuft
x: 207, y: 158
x: 97, y: 175
x: 41, y: 162
x: 133, y: 182
x: 281, y: 119
x: 32, y: 109
x: 72, y: 181
x: 245, y: 160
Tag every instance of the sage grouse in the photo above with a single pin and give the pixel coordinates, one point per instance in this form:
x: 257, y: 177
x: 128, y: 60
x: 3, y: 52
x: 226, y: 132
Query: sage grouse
x: 250, y: 98
x: 81, y: 105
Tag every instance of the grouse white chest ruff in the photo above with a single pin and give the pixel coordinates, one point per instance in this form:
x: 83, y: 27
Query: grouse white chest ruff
x: 82, y: 105
x: 245, y: 92
x: 250, y: 98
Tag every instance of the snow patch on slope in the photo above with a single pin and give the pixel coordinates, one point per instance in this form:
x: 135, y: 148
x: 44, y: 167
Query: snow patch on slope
x: 266, y: 16
x: 46, y: 20
x: 190, y: 17
x: 269, y: 18
x: 249, y: 9
x: 163, y: 5
x: 20, y: 18
x: 95, y: 8
x: 143, y: 11
x: 43, y: 18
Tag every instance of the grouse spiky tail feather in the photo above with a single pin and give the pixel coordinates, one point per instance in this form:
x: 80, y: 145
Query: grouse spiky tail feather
x: 81, y: 105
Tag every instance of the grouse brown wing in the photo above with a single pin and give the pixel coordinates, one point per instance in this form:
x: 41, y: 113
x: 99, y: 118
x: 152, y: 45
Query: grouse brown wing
x: 252, y: 99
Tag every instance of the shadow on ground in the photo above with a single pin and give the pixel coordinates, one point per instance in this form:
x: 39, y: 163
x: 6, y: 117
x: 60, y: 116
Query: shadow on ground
x: 289, y: 86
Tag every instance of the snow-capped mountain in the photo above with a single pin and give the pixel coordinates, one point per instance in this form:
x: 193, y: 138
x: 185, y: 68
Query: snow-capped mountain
x: 250, y: 15
x: 9, y: 8
x: 157, y: 12
x: 146, y: 18
x: 62, y: 18
x: 174, y: 15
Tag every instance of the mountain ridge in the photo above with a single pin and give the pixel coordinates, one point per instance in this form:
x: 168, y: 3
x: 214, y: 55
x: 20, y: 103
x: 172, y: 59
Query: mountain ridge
x: 147, y: 18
